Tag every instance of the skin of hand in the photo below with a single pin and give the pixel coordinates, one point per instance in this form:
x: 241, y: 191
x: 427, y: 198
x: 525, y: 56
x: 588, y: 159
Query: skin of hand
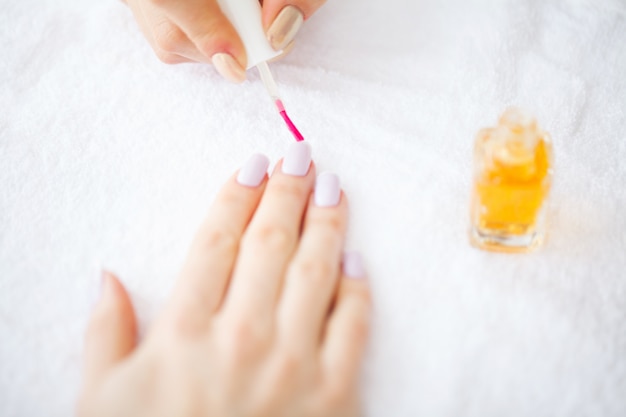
x: 268, y: 318
x: 197, y: 30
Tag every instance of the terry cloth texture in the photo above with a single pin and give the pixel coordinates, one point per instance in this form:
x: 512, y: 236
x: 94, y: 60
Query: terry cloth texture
x: 110, y: 158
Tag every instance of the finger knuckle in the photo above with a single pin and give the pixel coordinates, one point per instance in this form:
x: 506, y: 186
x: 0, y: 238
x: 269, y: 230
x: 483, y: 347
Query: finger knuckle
x: 358, y: 294
x: 231, y: 198
x: 243, y: 342
x: 181, y: 325
x: 333, y: 224
x: 287, y: 188
x: 215, y: 239
x: 287, y: 368
x: 330, y: 242
x: 317, y: 271
x: 209, y: 33
x: 206, y: 41
x: 168, y: 37
x: 330, y: 227
x: 271, y: 237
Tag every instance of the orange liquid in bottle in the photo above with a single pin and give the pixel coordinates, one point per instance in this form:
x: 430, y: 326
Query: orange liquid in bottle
x: 511, y: 182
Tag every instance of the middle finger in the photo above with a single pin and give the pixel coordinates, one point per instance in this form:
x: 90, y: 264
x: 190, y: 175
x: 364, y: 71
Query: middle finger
x: 271, y: 238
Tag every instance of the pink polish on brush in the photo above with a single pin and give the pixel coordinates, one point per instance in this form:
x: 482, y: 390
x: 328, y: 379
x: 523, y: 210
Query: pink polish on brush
x: 272, y: 89
x: 294, y: 130
x: 245, y: 16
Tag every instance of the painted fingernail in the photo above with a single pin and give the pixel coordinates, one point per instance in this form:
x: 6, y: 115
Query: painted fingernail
x: 327, y: 190
x: 285, y: 27
x: 352, y: 265
x: 286, y: 50
x: 228, y: 67
x: 297, y: 159
x: 253, y: 171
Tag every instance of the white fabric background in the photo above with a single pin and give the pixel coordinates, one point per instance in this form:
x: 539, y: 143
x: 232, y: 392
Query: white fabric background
x: 110, y: 158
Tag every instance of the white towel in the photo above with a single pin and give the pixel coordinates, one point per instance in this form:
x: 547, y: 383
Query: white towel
x: 109, y: 158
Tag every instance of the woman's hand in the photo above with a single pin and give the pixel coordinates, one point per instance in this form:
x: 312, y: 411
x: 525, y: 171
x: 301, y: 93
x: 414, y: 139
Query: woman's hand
x: 197, y: 31
x: 268, y: 318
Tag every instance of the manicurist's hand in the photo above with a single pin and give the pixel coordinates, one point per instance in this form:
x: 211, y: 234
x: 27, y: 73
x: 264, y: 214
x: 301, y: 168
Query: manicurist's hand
x: 268, y: 317
x: 197, y: 31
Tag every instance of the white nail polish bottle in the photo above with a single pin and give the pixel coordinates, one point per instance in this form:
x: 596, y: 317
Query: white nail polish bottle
x: 245, y: 16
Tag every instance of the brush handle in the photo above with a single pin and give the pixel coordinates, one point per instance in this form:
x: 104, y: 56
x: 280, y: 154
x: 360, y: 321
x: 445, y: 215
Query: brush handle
x: 268, y: 80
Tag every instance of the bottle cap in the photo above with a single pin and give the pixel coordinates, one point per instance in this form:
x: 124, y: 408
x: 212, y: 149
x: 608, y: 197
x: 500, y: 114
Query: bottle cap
x: 245, y: 16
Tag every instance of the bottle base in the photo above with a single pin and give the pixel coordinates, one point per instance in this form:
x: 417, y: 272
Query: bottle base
x: 495, y: 241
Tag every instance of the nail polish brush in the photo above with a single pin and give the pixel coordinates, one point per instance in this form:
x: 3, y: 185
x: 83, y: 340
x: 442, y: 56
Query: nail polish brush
x: 272, y: 89
x: 245, y: 16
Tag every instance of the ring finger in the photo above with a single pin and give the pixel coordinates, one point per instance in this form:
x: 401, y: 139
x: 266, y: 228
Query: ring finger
x: 314, y: 272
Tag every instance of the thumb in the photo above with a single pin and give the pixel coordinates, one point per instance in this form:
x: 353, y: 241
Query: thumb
x: 111, y: 332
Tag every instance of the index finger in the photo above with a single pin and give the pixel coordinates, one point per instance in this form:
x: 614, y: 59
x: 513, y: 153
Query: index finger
x: 206, y: 273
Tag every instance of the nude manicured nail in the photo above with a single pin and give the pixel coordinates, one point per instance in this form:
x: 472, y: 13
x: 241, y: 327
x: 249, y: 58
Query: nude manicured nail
x: 228, y: 67
x: 286, y: 50
x: 352, y: 265
x: 327, y: 190
x: 297, y: 159
x: 253, y: 171
x: 285, y: 27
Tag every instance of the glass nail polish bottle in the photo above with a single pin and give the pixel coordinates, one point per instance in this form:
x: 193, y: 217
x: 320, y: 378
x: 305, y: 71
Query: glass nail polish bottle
x: 512, y: 178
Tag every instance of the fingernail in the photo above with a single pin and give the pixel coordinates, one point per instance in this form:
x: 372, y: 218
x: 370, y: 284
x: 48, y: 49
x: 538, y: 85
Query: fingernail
x: 297, y: 159
x: 352, y: 265
x: 327, y: 190
x: 285, y: 26
x: 228, y: 67
x: 286, y: 50
x: 253, y: 171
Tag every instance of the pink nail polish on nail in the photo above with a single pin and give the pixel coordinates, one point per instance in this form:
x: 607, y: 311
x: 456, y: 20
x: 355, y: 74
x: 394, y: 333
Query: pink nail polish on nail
x: 327, y: 190
x: 253, y: 171
x: 352, y: 265
x: 297, y: 159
